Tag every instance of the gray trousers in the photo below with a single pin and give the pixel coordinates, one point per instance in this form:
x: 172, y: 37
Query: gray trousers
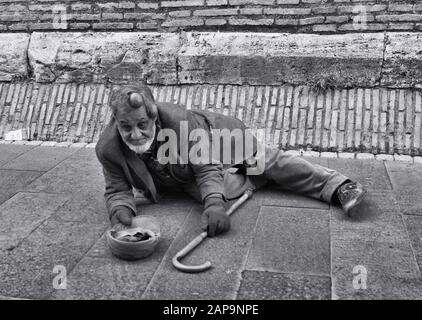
x: 287, y: 171
x: 298, y: 175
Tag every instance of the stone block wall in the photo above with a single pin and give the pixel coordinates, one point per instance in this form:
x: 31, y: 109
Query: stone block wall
x: 320, y: 61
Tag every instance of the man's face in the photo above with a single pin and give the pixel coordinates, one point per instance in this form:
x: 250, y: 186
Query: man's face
x: 136, y: 128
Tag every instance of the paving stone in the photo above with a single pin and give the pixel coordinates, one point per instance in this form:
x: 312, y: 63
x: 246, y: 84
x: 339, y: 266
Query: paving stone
x: 317, y: 160
x: 391, y: 270
x: 23, y: 213
x: 13, y: 181
x: 88, y: 207
x: 63, y: 144
x: 19, y: 142
x: 279, y: 243
x: 98, y: 278
x: 34, y: 143
x: 27, y: 271
x: 100, y: 275
x: 384, y: 157
x: 293, y: 152
x: 414, y: 227
x: 376, y: 238
x: 273, y: 195
x: 91, y: 145
x: 313, y: 154
x: 40, y: 159
x: 403, y: 158
x: 262, y: 285
x: 375, y: 204
x: 379, y: 220
x: 332, y: 155
x: 407, y: 183
x: 226, y: 252
x: 404, y: 176
x: 49, y: 143
x: 371, y: 174
x: 78, y: 145
x: 346, y: 155
x: 365, y: 156
x: 80, y: 173
x: 378, y: 241
x: 9, y: 152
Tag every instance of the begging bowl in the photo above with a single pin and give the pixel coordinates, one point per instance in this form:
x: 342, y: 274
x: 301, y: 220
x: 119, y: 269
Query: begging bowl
x: 135, y: 242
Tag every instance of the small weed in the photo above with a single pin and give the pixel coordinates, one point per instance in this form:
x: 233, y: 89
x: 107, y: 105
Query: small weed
x: 322, y: 83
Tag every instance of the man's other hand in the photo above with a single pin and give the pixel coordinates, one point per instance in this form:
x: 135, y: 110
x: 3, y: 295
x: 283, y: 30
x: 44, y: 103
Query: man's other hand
x: 214, y: 218
x: 122, y: 215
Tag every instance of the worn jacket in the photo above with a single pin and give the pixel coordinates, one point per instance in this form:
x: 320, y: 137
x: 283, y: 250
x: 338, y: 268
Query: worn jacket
x: 123, y: 169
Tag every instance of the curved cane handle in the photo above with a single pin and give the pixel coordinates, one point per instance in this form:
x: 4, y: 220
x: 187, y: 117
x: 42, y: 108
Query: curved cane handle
x: 185, y: 251
x: 195, y: 242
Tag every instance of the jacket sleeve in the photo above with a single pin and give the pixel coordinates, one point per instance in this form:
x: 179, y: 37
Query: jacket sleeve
x: 209, y: 176
x: 210, y: 180
x: 118, y: 191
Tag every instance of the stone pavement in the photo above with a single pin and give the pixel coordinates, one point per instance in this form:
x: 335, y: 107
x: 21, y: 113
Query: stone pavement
x: 281, y: 245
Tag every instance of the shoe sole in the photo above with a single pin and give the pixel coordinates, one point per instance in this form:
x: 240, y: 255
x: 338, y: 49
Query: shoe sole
x: 353, y: 205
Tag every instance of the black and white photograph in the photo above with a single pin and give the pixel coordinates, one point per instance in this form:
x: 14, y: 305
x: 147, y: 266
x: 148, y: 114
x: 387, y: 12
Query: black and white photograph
x: 212, y: 155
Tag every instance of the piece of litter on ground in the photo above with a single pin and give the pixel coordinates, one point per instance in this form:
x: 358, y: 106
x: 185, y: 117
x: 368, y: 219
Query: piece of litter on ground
x: 15, y: 135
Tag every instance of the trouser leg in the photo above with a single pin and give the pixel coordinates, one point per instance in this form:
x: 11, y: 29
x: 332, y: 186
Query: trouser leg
x: 235, y: 185
x: 291, y: 173
x: 298, y: 175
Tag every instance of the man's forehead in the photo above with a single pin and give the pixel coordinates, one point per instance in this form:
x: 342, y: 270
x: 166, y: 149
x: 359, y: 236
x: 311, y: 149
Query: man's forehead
x: 131, y: 114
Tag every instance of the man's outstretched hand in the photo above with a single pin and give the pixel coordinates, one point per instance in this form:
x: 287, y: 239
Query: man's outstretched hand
x: 122, y: 215
x: 214, y: 218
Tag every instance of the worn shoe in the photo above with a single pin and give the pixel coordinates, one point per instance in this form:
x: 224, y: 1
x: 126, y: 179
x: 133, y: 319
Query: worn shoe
x: 350, y: 196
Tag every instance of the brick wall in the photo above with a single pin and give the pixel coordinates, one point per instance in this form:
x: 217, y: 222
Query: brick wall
x: 377, y: 120
x: 310, y: 16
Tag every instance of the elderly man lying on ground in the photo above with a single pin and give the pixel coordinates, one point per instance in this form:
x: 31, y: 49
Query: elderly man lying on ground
x: 148, y: 146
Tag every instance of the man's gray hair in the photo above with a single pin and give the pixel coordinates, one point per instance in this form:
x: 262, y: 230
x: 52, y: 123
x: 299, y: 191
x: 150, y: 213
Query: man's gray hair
x: 121, y: 98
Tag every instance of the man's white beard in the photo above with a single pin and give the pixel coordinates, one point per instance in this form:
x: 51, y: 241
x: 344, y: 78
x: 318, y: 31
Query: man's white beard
x: 142, y: 148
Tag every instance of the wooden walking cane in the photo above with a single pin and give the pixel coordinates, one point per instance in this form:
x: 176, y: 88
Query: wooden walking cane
x: 195, y: 242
